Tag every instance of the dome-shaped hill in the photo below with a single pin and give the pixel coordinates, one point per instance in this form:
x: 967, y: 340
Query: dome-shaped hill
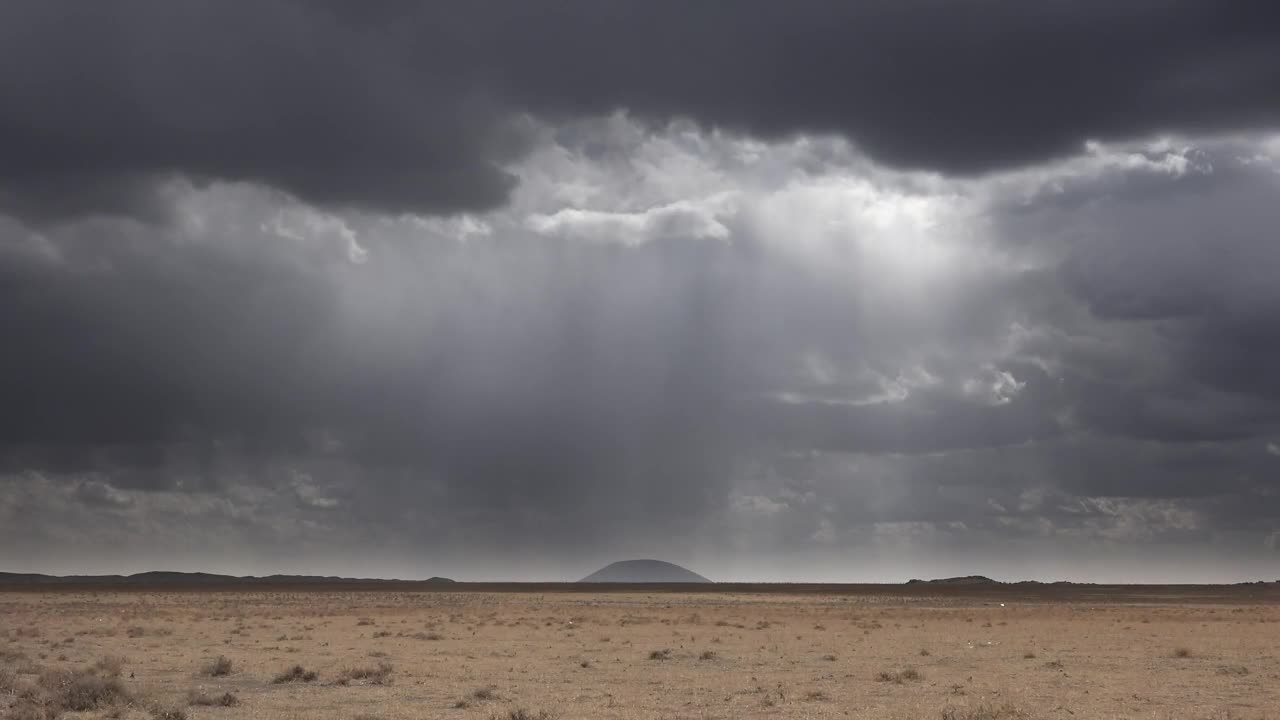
x: 643, y: 571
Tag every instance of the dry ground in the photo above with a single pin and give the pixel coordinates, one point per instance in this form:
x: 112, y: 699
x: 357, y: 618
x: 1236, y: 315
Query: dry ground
x: 469, y: 655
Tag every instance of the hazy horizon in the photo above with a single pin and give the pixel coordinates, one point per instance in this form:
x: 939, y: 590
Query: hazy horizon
x: 807, y: 291
x: 893, y: 571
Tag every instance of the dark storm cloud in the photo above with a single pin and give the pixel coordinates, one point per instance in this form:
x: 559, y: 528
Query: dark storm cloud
x: 415, y: 106
x: 515, y: 389
x: 534, y: 391
x: 1178, y: 260
x: 658, y: 346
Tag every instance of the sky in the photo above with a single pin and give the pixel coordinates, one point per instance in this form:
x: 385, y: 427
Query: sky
x: 807, y: 291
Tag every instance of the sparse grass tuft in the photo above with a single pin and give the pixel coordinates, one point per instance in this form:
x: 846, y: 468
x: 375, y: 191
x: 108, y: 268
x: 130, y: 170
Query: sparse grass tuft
x: 168, y: 714
x: 899, y: 677
x: 660, y: 655
x: 297, y: 673
x: 380, y: 675
x: 484, y: 694
x: 1237, y: 670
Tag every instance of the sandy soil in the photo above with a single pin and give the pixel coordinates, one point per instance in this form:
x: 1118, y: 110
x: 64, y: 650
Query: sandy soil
x: 637, y: 655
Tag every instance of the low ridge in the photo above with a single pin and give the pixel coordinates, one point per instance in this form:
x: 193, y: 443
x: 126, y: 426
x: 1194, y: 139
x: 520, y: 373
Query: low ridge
x: 643, y: 571
x: 165, y: 578
x: 965, y: 580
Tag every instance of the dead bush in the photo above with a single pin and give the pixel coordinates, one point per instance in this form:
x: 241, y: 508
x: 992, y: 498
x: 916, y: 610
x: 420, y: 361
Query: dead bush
x: 82, y: 690
x: 219, y: 667
x: 899, y: 677
x: 110, y: 664
x: 297, y: 673
x: 380, y: 675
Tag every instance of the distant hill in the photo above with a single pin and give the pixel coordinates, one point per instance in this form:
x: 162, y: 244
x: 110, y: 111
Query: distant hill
x: 643, y: 571
x: 160, y: 578
x: 963, y: 580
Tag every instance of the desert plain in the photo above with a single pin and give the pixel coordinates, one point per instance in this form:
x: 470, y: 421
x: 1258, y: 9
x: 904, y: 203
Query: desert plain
x: 521, y: 652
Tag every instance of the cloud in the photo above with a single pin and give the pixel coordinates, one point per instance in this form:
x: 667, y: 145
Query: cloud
x: 424, y: 109
x: 670, y: 341
x: 681, y: 219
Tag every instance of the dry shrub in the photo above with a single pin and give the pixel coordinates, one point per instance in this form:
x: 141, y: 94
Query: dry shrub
x: 110, y: 664
x: 660, y: 655
x: 219, y: 667
x: 82, y: 690
x: 899, y: 677
x: 380, y: 675
x: 297, y: 673
x: 1182, y: 652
